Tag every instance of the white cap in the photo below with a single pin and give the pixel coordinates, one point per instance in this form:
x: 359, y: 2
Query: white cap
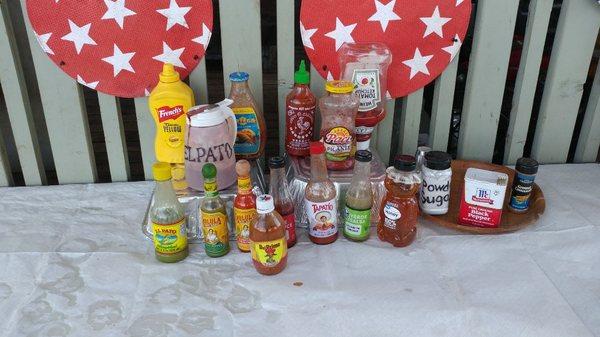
x: 264, y: 204
x: 363, y: 145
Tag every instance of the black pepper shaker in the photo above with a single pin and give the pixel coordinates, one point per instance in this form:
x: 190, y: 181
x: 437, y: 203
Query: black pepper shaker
x: 526, y: 169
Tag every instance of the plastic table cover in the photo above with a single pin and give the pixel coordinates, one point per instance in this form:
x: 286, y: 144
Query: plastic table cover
x: 75, y: 263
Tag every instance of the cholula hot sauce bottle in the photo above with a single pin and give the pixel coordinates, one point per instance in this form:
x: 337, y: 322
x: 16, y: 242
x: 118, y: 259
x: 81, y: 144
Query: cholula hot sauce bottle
x: 320, y: 199
x: 244, y: 206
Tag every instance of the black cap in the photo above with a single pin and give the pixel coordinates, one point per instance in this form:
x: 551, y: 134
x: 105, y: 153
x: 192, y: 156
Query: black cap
x: 527, y: 165
x: 276, y: 162
x: 364, y: 156
x: 437, y: 160
x: 405, y: 163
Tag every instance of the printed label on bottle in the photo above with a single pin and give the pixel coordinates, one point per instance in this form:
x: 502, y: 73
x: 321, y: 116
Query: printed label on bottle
x: 338, y: 144
x: 364, y: 130
x: 290, y: 227
x: 172, y: 121
x: 367, y: 88
x: 244, y: 184
x: 243, y: 220
x: 170, y: 239
x: 300, y: 126
x: 435, y: 193
x: 215, y: 232
x: 356, y: 223
x: 391, y: 215
x: 322, y: 218
x: 247, y: 141
x: 210, y: 187
x: 269, y: 253
x: 521, y: 191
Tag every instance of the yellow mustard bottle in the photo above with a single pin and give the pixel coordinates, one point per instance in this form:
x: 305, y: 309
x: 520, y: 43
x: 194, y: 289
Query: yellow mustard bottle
x: 169, y: 102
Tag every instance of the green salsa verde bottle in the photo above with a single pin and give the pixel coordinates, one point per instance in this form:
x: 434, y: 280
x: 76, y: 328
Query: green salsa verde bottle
x: 213, y: 214
x: 359, y: 199
x: 168, y: 218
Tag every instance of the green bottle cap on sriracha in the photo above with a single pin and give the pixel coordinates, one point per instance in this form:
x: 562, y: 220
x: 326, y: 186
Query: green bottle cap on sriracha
x: 301, y: 76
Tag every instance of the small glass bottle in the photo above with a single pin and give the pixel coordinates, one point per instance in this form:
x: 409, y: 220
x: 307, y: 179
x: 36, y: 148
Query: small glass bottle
x: 320, y: 200
x: 168, y: 218
x: 267, y: 234
x: 244, y: 206
x: 280, y: 191
x: 359, y: 199
x: 214, y: 216
x: 400, y: 209
x: 251, y: 126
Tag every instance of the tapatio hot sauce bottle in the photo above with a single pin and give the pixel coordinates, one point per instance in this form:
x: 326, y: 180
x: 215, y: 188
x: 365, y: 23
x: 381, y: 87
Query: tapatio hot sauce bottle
x: 280, y: 191
x: 214, y: 216
x: 300, y: 105
x: 244, y: 206
x: 320, y: 199
x: 267, y: 236
x: 400, y: 209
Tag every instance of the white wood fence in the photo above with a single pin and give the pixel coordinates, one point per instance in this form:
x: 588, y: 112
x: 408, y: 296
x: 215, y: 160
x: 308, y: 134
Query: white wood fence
x: 576, y: 34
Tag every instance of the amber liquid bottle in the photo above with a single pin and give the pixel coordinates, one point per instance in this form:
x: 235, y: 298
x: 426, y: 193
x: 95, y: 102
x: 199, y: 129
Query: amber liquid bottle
x: 399, y: 209
x: 320, y: 200
x: 267, y: 235
x: 280, y: 191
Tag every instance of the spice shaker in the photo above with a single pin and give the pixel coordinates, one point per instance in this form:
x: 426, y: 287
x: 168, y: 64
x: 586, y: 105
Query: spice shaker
x: 436, y: 175
x: 523, y: 184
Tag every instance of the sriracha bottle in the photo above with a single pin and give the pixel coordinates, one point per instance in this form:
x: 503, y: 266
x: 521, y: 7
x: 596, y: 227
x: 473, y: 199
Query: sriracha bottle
x: 300, y: 105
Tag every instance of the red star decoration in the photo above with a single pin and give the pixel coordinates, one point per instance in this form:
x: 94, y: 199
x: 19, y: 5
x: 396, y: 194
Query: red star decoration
x: 423, y: 35
x: 118, y: 46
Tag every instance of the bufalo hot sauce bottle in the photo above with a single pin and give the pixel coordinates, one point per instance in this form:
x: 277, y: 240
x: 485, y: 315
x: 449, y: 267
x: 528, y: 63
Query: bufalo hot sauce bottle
x: 244, y: 206
x: 267, y: 235
x: 320, y: 200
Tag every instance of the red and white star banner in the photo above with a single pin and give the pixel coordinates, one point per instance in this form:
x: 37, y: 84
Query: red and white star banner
x: 118, y: 46
x: 423, y: 35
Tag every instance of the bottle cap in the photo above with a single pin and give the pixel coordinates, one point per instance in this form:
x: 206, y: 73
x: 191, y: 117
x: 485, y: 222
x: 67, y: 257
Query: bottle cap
x: 527, y: 165
x: 276, y: 162
x: 209, y: 171
x: 301, y: 76
x: 437, y: 160
x: 405, y: 163
x: 239, y: 76
x: 161, y: 171
x: 242, y: 168
x: 317, y: 148
x: 364, y: 156
x: 264, y: 204
x: 168, y: 74
x: 339, y: 87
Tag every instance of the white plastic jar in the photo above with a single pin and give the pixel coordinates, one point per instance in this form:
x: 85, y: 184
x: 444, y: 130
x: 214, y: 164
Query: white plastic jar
x: 436, y: 174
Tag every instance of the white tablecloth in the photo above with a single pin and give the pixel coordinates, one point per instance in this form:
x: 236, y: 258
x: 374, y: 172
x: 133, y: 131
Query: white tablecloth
x: 75, y: 263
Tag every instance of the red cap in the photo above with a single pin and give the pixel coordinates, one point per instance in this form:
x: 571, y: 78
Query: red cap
x: 317, y: 148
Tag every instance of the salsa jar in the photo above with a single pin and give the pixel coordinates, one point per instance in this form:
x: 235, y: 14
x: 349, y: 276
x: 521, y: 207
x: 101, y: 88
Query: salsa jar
x: 338, y: 111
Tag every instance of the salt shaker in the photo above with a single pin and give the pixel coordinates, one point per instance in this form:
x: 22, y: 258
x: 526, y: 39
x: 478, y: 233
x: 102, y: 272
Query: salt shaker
x: 420, y: 157
x: 436, y: 176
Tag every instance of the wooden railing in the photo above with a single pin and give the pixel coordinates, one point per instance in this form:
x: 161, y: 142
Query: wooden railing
x: 494, y: 24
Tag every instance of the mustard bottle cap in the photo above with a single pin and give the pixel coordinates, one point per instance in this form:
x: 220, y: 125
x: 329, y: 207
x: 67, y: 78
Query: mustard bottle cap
x: 168, y: 74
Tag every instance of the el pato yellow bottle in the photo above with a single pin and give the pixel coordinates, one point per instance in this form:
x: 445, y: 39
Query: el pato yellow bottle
x: 169, y: 102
